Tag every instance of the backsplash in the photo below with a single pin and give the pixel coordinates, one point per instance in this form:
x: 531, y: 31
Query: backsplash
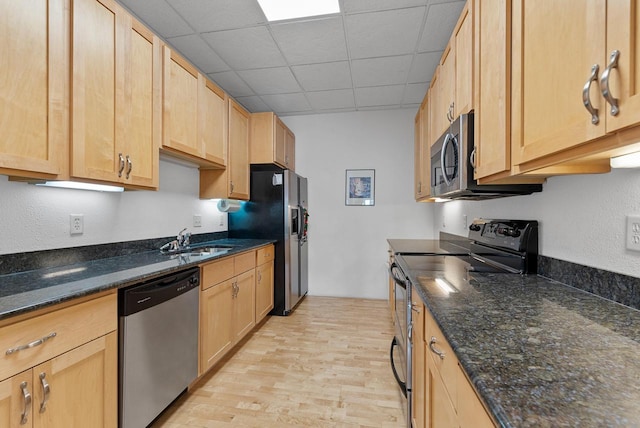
x: 620, y: 288
x: 21, y: 262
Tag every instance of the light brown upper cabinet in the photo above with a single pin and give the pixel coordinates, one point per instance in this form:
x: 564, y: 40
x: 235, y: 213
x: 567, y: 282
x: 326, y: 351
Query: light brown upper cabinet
x: 232, y: 182
x: 576, y: 80
x: 195, y: 114
x: 33, y: 88
x: 271, y: 141
x: 444, y: 92
x: 422, y: 156
x: 116, y: 101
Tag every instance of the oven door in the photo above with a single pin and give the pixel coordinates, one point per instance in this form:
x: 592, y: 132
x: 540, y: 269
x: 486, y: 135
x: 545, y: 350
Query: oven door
x: 400, y: 352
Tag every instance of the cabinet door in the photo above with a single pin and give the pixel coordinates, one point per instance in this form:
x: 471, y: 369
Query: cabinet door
x: 216, y: 315
x: 548, y: 112
x: 492, y: 117
x: 290, y: 156
x: 464, y: 61
x: 441, y: 412
x: 142, y: 106
x: 180, y: 122
x: 419, y: 366
x: 244, y: 317
x: 280, y: 143
x: 417, y: 156
x: 447, y: 90
x: 33, y: 86
x: 238, y: 169
x: 95, y: 31
x: 623, y: 34
x: 82, y: 387
x: 422, y: 149
x: 471, y: 412
x: 212, y: 111
x: 13, y: 404
x: 264, y: 290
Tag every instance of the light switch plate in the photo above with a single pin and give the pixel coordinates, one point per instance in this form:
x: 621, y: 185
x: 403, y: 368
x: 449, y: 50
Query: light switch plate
x: 633, y: 232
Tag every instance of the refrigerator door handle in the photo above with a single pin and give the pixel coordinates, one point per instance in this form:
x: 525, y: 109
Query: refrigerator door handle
x: 295, y: 221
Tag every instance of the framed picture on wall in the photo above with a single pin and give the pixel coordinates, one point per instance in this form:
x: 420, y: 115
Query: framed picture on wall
x: 360, y: 185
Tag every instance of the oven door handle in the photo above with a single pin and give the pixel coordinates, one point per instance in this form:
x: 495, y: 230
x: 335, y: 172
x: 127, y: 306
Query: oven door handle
x: 396, y: 278
x: 403, y: 385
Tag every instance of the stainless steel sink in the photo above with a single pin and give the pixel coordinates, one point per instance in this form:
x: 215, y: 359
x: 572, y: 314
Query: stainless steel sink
x: 207, y: 250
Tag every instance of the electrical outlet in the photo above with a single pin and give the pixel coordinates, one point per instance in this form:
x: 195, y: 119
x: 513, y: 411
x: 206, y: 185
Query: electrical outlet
x: 633, y: 232
x: 76, y: 224
x: 197, y: 220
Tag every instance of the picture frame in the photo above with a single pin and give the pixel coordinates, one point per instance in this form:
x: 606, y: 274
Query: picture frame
x: 360, y: 186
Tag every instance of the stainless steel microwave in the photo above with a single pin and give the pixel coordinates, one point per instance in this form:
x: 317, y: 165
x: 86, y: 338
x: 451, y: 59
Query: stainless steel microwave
x: 452, y: 165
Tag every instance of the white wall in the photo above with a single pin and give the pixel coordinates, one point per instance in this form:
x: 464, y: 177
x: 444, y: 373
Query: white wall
x: 347, y: 244
x: 37, y: 218
x: 582, y: 218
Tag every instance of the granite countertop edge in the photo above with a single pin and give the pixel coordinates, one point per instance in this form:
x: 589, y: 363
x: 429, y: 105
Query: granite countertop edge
x: 26, y: 292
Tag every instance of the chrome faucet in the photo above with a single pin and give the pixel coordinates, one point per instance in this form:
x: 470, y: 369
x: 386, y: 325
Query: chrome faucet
x: 180, y: 243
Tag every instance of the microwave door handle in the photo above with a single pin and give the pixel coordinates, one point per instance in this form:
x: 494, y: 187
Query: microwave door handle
x: 443, y: 152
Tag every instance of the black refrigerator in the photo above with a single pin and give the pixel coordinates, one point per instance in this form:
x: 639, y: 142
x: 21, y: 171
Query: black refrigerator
x: 277, y: 210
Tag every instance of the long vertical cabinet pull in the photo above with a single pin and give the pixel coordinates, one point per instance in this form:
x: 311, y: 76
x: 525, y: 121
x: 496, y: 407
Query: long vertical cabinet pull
x: 121, y: 167
x: 46, y: 391
x: 129, y: 166
x: 604, y: 83
x: 586, y: 99
x: 27, y: 402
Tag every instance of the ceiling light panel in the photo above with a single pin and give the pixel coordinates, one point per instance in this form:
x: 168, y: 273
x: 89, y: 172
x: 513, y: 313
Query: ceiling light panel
x: 278, y: 10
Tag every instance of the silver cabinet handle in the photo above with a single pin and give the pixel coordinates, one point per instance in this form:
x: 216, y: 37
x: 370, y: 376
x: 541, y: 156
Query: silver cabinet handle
x: 433, y: 348
x: 121, y: 167
x: 410, y: 332
x: 604, y: 83
x: 32, y: 344
x: 46, y: 390
x: 586, y: 99
x: 231, y: 186
x: 27, y: 402
x: 259, y: 276
x: 129, y: 166
x: 415, y: 309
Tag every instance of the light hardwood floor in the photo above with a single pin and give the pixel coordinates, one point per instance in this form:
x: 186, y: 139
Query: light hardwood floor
x: 325, y: 365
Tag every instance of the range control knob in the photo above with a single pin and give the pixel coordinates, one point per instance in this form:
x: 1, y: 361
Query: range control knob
x: 474, y: 227
x: 508, y: 231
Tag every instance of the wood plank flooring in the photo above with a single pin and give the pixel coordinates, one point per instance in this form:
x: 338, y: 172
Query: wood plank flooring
x: 325, y: 365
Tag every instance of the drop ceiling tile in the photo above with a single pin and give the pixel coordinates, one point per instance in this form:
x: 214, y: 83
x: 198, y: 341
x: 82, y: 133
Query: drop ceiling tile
x: 271, y: 80
x: 254, y: 104
x: 423, y: 67
x: 414, y: 93
x: 287, y: 103
x: 246, y: 48
x: 199, y: 53
x: 441, y: 19
x: 231, y: 83
x: 355, y: 6
x: 393, y: 32
x: 158, y: 15
x: 329, y: 100
x: 215, y: 15
x: 320, y: 77
x: 389, y: 70
x: 312, y: 41
x: 379, y: 96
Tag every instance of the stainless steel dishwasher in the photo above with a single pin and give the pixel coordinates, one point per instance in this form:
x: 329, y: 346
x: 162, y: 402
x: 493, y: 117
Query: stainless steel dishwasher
x: 158, y: 345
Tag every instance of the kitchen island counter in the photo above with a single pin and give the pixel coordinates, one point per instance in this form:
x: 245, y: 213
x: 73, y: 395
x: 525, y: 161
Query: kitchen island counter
x: 23, y: 292
x: 540, y: 353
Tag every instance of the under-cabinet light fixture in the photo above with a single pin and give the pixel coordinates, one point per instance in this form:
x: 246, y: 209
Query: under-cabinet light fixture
x: 445, y: 285
x: 278, y: 10
x: 632, y: 160
x: 81, y: 186
x: 441, y: 200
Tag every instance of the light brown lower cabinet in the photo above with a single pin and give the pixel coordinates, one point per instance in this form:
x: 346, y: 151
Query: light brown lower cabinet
x: 235, y: 295
x: 49, y: 388
x: 443, y: 395
x: 264, y: 282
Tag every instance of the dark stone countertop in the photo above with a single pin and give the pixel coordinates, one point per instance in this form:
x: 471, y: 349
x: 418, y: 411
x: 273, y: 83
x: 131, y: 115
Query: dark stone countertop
x: 540, y: 353
x: 27, y: 291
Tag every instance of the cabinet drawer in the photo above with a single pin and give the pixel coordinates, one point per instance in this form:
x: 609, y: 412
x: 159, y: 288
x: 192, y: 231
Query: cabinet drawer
x: 447, y: 367
x: 245, y: 262
x: 73, y: 326
x: 264, y: 255
x: 215, y: 272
